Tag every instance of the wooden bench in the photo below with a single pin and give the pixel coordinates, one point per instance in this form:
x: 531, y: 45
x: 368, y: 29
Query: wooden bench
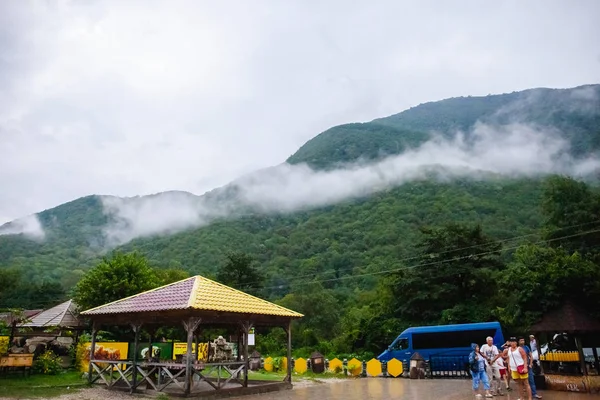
x: 16, y: 362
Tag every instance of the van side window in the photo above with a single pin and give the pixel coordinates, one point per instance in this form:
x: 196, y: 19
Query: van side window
x: 401, y: 344
x: 440, y: 340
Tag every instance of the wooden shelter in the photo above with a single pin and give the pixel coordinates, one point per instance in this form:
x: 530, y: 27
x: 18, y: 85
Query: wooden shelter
x: 585, y: 330
x: 53, y: 321
x: 193, y: 302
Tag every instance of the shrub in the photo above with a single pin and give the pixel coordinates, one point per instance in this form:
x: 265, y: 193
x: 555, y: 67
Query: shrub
x: 352, y: 367
x: 47, y: 363
x: 277, y: 363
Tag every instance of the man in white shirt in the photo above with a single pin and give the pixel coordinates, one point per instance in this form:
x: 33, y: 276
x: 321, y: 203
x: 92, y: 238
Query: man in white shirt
x: 491, y: 354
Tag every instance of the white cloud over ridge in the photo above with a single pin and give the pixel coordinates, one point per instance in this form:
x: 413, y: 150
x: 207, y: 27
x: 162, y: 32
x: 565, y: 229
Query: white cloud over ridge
x: 515, y: 150
x: 29, y: 226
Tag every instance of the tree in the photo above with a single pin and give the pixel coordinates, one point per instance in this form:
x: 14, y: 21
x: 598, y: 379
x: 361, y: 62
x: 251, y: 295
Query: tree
x: 454, y: 280
x: 571, y: 210
x: 541, y: 278
x: 321, y: 313
x: 47, y: 294
x: 240, y: 273
x: 9, y: 280
x: 114, y: 278
x: 170, y: 275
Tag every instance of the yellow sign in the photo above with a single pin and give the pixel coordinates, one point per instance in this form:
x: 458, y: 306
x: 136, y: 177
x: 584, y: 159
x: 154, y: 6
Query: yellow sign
x: 268, y: 364
x: 113, y: 351
x: 374, y: 367
x: 354, y: 367
x: 300, y: 366
x: 395, y: 367
x: 336, y: 365
x: 181, y: 349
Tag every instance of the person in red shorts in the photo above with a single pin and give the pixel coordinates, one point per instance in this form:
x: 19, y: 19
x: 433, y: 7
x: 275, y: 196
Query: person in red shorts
x: 503, y: 374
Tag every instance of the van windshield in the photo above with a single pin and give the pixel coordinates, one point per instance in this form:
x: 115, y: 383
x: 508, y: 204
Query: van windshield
x: 401, y: 344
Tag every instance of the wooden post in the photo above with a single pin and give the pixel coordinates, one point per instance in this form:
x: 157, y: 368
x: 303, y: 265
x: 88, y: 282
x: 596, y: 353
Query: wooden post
x: 136, y: 326
x: 150, y: 340
x: 92, y: 351
x: 596, y: 361
x: 190, y: 327
x: 246, y: 326
x: 239, y: 345
x: 579, y: 345
x: 288, y: 377
x: 13, y: 328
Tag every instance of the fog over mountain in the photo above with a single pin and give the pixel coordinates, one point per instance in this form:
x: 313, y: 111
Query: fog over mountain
x: 516, y: 150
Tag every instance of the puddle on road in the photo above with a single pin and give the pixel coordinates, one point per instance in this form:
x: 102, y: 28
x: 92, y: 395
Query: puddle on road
x: 402, y: 389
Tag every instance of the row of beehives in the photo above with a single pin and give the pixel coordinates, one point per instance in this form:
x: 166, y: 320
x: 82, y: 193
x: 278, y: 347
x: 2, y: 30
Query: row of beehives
x: 353, y: 367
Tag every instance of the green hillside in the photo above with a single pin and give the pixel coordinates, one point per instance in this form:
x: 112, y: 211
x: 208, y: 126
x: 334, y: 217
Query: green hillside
x: 74, y: 230
x: 574, y: 112
x: 361, y: 235
x: 351, y: 142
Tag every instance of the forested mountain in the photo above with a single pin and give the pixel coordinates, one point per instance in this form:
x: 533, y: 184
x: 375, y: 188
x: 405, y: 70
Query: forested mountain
x: 74, y: 231
x: 340, y: 252
x: 573, y: 112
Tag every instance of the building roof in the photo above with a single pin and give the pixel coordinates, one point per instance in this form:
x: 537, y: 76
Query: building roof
x: 569, y: 318
x: 9, y: 317
x: 63, y: 315
x: 195, y: 293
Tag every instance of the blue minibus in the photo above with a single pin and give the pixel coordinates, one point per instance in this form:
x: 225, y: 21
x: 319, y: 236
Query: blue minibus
x: 441, y: 340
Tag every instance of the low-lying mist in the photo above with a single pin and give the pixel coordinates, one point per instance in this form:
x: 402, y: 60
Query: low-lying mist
x: 29, y: 227
x: 515, y: 150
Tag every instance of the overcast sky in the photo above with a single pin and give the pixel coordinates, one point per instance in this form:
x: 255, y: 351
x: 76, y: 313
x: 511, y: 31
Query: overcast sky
x: 137, y: 97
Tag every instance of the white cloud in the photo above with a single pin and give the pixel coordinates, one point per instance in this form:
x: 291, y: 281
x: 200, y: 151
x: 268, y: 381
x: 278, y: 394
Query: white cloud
x: 514, y: 150
x: 29, y: 227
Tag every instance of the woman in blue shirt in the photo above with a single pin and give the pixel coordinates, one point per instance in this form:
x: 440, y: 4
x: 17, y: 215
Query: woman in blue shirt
x: 477, y: 364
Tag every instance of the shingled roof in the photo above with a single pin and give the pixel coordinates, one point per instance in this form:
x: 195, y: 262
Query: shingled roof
x: 569, y: 318
x: 63, y: 316
x: 195, y: 293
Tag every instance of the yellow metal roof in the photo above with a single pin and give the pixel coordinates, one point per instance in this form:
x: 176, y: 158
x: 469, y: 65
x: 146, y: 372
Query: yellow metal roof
x: 214, y: 296
x: 197, y: 293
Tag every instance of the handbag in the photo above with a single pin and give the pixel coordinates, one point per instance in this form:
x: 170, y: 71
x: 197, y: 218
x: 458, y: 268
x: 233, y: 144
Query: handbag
x: 520, y: 368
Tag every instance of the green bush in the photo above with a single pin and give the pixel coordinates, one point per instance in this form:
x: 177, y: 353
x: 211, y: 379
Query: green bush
x: 277, y: 363
x: 47, y: 363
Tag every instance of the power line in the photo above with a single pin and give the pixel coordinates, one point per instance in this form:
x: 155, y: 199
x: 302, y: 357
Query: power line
x: 434, y: 262
x: 431, y: 263
x: 499, y: 241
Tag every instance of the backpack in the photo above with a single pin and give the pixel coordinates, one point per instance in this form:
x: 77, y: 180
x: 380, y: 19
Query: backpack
x: 473, y: 363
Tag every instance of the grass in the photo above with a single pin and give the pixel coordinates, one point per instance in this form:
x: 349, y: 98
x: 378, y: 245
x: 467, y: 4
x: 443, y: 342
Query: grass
x: 33, y: 386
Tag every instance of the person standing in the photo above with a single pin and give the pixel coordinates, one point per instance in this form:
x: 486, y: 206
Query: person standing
x: 518, y: 367
x: 531, y: 378
x: 535, y: 353
x: 504, y: 356
x: 503, y: 374
x: 477, y: 366
x: 491, y: 354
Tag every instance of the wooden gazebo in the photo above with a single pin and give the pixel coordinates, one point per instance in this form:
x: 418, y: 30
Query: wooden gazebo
x: 585, y: 330
x: 53, y: 321
x: 192, y: 302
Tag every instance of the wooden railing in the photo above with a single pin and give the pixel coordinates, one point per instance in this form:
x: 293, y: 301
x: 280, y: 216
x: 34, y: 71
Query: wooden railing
x: 160, y: 375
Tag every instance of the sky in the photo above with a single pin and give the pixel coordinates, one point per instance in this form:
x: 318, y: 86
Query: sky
x: 138, y: 97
